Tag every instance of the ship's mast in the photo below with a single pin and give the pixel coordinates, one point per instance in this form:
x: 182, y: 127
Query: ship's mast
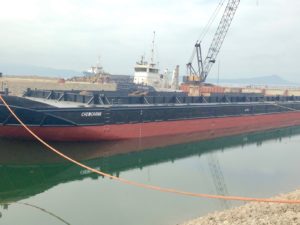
x: 152, y: 50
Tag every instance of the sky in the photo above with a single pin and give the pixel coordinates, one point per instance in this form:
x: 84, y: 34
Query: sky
x: 264, y: 37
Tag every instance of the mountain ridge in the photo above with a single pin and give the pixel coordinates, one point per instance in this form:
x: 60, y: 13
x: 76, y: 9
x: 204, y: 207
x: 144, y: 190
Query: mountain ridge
x: 274, y: 80
x: 29, y: 70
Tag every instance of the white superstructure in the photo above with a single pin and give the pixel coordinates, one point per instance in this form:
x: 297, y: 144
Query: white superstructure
x: 95, y: 70
x: 146, y: 73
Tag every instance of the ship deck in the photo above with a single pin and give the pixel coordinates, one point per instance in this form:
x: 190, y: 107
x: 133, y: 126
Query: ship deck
x: 68, y: 104
x: 102, y: 99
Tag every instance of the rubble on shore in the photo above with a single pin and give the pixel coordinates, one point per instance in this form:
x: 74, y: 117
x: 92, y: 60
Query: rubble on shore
x: 256, y: 214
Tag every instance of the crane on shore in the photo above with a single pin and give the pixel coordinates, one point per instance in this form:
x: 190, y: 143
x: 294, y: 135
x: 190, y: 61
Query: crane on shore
x: 199, y: 75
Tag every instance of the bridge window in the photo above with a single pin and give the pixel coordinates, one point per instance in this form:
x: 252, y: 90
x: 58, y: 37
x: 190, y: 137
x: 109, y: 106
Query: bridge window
x: 153, y: 70
x: 140, y: 69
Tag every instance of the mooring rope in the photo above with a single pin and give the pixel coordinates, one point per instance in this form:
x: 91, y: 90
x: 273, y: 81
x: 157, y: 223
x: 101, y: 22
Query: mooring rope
x: 38, y: 208
x: 141, y: 185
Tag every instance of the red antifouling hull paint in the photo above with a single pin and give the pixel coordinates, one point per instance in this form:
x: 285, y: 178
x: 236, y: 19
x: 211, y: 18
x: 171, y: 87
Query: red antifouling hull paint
x: 206, y: 128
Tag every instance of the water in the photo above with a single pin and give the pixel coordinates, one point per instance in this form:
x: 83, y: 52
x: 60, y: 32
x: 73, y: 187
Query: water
x: 256, y: 165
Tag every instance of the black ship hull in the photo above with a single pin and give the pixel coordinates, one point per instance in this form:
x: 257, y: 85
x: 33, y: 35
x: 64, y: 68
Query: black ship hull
x: 127, y: 121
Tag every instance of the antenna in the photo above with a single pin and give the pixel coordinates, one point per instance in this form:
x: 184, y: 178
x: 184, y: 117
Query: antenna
x: 99, y: 59
x: 152, y: 50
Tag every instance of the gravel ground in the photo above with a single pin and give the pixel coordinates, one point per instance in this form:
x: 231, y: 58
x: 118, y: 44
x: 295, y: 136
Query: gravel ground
x: 17, y: 85
x: 256, y: 214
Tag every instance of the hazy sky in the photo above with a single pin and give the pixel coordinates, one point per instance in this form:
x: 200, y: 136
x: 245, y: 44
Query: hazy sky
x: 263, y: 39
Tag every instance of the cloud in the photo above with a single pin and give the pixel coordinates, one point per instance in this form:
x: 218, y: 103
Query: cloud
x: 263, y: 39
x: 19, y: 10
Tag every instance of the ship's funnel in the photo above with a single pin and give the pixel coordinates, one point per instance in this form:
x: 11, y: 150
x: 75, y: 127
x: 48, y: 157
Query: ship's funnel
x: 175, y: 78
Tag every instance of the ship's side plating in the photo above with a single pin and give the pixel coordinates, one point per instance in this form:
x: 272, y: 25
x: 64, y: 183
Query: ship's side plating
x: 133, y: 121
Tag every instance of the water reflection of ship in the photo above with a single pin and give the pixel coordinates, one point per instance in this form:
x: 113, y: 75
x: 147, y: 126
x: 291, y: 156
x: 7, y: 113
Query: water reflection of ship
x: 20, y: 181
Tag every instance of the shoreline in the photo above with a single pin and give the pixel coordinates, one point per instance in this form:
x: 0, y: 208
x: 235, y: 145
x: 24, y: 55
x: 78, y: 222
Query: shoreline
x: 17, y: 85
x: 255, y: 213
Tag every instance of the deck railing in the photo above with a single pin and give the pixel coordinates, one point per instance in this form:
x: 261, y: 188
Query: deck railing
x: 109, y: 98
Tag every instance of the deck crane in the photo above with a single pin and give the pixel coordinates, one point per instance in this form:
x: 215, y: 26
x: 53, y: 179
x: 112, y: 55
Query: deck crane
x: 203, y: 66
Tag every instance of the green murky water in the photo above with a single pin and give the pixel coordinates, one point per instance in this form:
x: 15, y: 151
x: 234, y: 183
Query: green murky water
x: 37, y: 187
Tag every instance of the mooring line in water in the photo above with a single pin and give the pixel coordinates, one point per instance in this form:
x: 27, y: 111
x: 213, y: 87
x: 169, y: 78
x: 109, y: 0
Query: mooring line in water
x: 141, y: 185
x: 38, y: 208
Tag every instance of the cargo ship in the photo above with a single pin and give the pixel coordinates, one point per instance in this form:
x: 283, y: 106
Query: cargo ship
x: 97, y: 116
x: 100, y: 116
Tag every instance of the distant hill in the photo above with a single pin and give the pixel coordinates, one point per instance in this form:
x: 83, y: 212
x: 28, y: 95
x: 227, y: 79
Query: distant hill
x: 14, y: 69
x: 272, y: 80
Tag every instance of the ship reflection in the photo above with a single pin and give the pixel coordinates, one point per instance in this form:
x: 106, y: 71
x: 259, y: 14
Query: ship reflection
x: 27, y: 168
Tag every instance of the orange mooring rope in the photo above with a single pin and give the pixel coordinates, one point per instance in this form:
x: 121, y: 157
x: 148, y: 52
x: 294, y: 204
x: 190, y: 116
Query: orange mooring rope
x: 146, y: 186
x: 42, y: 210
